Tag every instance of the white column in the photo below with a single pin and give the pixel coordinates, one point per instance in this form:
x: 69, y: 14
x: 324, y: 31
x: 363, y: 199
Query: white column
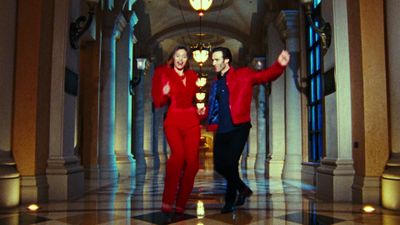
x: 148, y: 119
x: 259, y: 165
x: 123, y: 125
x: 141, y: 163
x: 107, y: 159
x: 249, y: 154
x: 276, y: 100
x: 390, y: 177
x: 65, y: 175
x: 288, y: 22
x: 156, y: 121
x: 335, y: 175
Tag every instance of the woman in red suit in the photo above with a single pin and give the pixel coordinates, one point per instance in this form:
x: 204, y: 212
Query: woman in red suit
x: 175, y: 84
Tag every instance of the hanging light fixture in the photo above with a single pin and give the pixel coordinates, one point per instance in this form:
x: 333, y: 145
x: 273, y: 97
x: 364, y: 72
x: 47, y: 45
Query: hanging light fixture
x: 200, y: 5
x: 201, y: 82
x: 200, y: 96
x: 200, y: 50
x: 200, y: 53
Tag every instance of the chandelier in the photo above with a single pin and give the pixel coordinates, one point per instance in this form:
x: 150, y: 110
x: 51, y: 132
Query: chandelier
x: 200, y: 5
x: 200, y: 52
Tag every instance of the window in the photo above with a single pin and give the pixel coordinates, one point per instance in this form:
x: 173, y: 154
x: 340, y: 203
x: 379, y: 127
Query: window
x: 314, y: 89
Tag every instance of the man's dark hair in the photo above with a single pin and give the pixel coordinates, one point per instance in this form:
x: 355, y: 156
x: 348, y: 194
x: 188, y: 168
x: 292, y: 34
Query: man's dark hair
x: 226, y: 53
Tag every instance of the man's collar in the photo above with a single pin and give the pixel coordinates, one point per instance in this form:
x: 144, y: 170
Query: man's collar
x: 220, y: 74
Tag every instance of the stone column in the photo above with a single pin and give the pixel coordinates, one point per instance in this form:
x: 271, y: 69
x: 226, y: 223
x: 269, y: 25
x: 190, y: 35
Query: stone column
x: 156, y: 121
x: 107, y: 159
x: 391, y: 175
x: 9, y: 176
x: 335, y: 174
x: 64, y: 172
x: 148, y: 119
x: 276, y: 101
x: 369, y: 98
x: 259, y: 165
x: 250, y: 151
x: 31, y: 114
x: 288, y: 25
x: 123, y: 134
x: 139, y: 122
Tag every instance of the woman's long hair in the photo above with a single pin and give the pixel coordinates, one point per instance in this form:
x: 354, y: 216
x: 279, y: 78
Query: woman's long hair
x: 170, y: 61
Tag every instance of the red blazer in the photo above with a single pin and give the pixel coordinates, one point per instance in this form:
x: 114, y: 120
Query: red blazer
x: 240, y: 83
x: 180, y: 96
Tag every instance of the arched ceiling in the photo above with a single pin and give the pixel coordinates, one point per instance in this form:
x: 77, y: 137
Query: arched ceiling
x: 237, y: 24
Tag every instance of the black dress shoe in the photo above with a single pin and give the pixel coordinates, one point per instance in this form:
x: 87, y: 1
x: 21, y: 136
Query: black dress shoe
x: 227, y: 208
x: 242, y: 196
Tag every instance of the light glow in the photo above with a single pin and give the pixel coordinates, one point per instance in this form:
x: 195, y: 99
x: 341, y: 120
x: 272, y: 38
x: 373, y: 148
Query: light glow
x: 201, y: 5
x: 201, y: 82
x: 200, y: 209
x: 200, y: 96
x: 200, y: 55
x: 33, y: 207
x: 368, y: 209
x: 200, y: 105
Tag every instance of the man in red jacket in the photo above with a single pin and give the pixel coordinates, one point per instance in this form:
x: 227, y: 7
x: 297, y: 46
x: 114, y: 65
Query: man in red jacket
x: 229, y: 115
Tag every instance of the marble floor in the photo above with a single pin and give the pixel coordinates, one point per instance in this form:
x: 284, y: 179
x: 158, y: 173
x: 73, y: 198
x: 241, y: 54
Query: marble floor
x: 136, y: 200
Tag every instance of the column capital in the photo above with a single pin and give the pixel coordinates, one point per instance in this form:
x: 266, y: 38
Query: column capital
x: 113, y: 25
x: 133, y: 20
x: 119, y: 26
x: 288, y: 23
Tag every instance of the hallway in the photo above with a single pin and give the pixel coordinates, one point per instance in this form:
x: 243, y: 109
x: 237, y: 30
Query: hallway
x: 137, y: 200
x: 80, y: 134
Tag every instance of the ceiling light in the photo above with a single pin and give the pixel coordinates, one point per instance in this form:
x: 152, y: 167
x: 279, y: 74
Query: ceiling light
x: 200, y: 5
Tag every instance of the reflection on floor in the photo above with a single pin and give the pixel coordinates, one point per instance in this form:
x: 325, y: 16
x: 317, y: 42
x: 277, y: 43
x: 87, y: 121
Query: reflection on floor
x: 137, y: 201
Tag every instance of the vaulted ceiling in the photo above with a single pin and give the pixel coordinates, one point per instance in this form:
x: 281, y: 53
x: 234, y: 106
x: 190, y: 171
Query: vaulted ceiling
x: 237, y: 24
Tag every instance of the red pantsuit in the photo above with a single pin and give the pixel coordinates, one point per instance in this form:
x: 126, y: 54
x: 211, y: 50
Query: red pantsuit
x: 182, y: 130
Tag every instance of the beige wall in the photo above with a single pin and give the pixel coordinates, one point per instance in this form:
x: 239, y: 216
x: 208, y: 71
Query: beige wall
x: 368, y: 74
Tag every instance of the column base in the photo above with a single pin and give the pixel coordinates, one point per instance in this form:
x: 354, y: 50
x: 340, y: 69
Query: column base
x: 126, y: 165
x: 391, y: 185
x: 108, y: 173
x: 34, y: 189
x: 309, y: 173
x: 334, y: 180
x: 150, y: 161
x: 108, y: 167
x: 65, y: 178
x: 260, y: 166
x: 367, y: 190
x: 274, y: 168
x: 92, y: 173
x: 250, y: 162
x: 9, y: 187
x: 292, y: 167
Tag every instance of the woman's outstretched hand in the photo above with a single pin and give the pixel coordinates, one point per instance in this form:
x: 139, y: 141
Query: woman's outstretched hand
x: 284, y: 58
x: 166, y: 89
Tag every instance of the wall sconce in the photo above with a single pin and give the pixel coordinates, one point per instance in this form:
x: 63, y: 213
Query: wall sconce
x: 258, y: 63
x: 78, y: 27
x: 141, y: 65
x: 324, y: 30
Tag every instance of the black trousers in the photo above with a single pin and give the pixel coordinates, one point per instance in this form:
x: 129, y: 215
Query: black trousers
x: 228, y: 148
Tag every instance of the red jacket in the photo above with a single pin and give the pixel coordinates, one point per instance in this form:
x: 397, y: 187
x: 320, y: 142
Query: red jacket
x: 180, y: 96
x: 240, y: 83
